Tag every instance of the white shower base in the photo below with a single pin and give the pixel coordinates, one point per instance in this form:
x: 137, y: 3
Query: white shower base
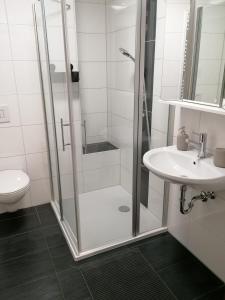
x: 101, y: 221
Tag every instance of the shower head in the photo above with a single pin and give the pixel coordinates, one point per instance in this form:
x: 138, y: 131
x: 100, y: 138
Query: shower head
x: 127, y: 54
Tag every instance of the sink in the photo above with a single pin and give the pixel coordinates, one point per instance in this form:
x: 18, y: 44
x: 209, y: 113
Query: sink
x: 184, y: 168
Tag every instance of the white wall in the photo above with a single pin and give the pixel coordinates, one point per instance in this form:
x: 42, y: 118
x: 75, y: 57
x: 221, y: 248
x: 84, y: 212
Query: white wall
x: 22, y: 142
x: 202, y: 231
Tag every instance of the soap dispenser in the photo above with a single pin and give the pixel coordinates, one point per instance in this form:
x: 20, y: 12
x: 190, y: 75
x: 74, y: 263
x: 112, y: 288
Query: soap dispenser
x: 182, y: 139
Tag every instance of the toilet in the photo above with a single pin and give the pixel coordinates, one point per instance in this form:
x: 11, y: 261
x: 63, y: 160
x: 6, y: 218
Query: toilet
x: 13, y: 186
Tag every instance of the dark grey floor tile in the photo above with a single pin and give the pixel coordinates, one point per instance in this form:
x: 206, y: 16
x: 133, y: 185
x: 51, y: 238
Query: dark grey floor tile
x: 163, y: 251
x: 43, y: 289
x: 27, y: 268
x: 21, y: 244
x: 189, y: 279
x: 125, y: 276
x: 73, y: 285
x: 53, y: 235
x: 94, y: 261
x: 46, y: 214
x: 16, y: 214
x: 62, y: 257
x: 18, y: 225
x: 219, y: 294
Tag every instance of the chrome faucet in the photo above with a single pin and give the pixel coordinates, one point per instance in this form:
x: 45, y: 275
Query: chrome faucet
x: 201, y: 144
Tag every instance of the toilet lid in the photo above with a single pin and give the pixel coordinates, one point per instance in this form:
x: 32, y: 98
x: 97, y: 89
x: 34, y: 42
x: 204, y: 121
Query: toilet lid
x: 12, y: 181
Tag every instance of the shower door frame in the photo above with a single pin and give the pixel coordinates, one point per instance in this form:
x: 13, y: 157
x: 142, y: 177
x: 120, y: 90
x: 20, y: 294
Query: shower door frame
x: 76, y: 251
x: 74, y: 245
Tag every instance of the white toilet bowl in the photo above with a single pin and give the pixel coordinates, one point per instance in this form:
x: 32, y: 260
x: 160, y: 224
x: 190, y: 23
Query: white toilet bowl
x: 13, y: 186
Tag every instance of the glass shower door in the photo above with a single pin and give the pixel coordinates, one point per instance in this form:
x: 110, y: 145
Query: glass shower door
x: 58, y: 69
x: 106, y: 51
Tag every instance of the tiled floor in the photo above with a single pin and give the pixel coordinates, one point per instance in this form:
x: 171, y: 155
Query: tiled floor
x: 35, y: 263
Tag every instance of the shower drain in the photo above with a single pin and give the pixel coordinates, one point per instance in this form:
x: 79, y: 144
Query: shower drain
x: 124, y: 208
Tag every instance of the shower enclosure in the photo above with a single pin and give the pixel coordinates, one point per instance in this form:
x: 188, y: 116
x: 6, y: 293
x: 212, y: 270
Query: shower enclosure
x: 94, y: 58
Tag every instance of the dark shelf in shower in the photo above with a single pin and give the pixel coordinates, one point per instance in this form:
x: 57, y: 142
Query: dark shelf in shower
x: 98, y: 147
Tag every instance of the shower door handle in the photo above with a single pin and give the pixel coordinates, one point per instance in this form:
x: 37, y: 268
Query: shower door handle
x: 62, y: 132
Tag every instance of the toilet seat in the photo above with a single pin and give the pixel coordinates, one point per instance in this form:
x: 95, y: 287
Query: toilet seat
x: 13, y: 181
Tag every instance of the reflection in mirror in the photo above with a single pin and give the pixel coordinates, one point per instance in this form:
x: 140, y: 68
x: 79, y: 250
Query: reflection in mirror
x: 204, y: 75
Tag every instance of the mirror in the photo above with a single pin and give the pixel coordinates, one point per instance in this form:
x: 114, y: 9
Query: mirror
x: 204, y: 66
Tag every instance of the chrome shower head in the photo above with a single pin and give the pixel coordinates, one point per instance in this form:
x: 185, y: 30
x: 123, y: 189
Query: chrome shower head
x: 127, y: 54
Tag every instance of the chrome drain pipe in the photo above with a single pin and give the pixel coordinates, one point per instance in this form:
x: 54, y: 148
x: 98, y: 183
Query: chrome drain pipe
x: 187, y: 208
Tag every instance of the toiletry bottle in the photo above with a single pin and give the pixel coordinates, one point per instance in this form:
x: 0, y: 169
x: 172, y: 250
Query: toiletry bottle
x: 182, y: 139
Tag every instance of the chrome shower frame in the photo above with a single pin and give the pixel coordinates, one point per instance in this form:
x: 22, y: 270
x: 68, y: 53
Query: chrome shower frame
x: 139, y: 97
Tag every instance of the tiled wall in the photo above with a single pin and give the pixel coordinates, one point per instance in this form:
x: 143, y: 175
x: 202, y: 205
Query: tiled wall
x: 121, y: 25
x: 22, y: 143
x: 91, y: 29
x: 97, y: 170
x: 202, y: 231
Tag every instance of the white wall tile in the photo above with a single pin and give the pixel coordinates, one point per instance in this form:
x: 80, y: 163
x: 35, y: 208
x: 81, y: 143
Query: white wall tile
x: 155, y: 203
x: 5, y: 51
x: 31, y: 109
x: 121, y: 75
x: 160, y: 38
x: 96, y: 124
x: 160, y: 114
x: 173, y: 52
x: 27, y: 78
x: 37, y: 165
x: 91, y: 47
x: 34, y: 138
x: 40, y: 192
x: 121, y: 103
x: 92, y: 74
x: 24, y: 16
x: 161, y: 8
x: 158, y: 139
x: 11, y: 142
x: 23, y: 42
x: 176, y: 18
x: 94, y: 100
x: 94, y: 13
x: 7, y: 85
x: 3, y: 17
x: 213, y: 125
x: 171, y: 73
x: 157, y: 83
x: 13, y: 163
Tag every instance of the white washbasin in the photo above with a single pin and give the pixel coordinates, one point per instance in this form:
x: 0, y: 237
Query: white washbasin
x: 183, y: 167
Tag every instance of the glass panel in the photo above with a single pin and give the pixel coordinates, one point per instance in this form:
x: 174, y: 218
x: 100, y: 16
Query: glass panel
x: 152, y: 188
x: 48, y: 108
x: 56, y: 52
x: 106, y: 51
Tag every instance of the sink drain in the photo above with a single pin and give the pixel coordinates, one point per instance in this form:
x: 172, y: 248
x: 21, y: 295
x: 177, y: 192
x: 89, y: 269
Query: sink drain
x: 124, y: 208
